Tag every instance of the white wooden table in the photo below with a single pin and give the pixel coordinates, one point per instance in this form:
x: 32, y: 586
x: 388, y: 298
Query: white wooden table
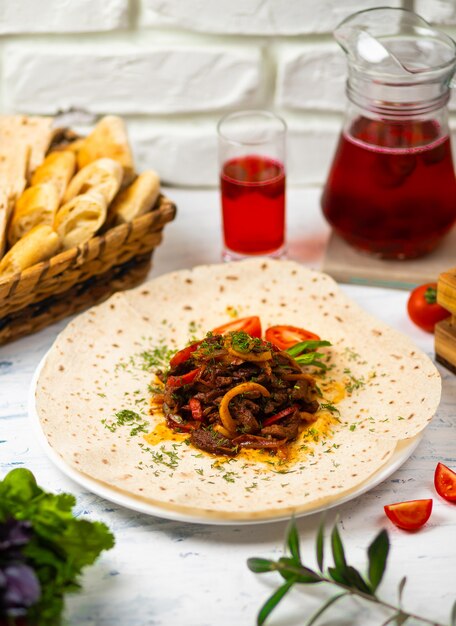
x: 164, y: 573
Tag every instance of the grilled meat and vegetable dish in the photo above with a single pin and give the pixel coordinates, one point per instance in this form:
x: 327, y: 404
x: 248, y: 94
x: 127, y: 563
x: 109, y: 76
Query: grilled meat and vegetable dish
x: 237, y: 391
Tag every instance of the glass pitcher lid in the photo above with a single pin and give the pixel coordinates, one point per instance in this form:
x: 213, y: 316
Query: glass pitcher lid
x: 395, y: 43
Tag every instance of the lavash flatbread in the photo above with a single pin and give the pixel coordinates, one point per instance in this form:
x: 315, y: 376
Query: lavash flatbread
x: 399, y: 394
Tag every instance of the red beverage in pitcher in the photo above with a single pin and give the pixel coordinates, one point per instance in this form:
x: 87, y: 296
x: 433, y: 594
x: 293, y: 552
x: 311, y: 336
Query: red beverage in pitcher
x: 392, y: 188
x: 253, y: 205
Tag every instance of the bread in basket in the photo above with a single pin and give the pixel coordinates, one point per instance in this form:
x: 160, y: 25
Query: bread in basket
x: 76, y: 221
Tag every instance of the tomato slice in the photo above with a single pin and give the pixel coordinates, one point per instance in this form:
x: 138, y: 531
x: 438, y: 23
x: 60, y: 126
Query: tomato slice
x: 409, y: 515
x: 445, y: 482
x: 184, y: 354
x: 250, y: 325
x: 286, y: 336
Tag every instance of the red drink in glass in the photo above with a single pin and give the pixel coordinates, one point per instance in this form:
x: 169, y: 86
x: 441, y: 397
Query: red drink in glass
x: 392, y: 188
x: 253, y: 205
x: 252, y: 183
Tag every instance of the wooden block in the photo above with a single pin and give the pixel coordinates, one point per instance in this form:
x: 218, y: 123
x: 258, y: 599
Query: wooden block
x: 445, y: 344
x: 446, y: 290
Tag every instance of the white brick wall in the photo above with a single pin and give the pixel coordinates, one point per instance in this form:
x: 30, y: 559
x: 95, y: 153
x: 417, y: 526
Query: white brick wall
x: 172, y: 67
x: 253, y: 17
x: 62, y: 16
x: 124, y: 79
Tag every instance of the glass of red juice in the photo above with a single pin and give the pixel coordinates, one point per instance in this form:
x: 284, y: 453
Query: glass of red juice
x: 252, y: 184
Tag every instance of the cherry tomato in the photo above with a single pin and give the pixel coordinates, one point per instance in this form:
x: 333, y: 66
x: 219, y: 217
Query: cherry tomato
x: 250, y: 325
x: 423, y: 309
x: 286, y: 336
x: 409, y: 515
x: 184, y: 354
x: 445, y: 482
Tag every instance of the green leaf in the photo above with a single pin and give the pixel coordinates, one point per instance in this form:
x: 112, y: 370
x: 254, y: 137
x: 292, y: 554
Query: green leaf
x: 378, y: 555
x: 259, y: 566
x: 400, y: 589
x: 453, y: 615
x: 320, y: 547
x: 338, y: 550
x: 430, y: 295
x: 83, y: 541
x: 304, y: 346
x: 288, y: 568
x: 293, y: 542
x: 319, y: 364
x: 19, y: 487
x: 307, y: 359
x: 337, y: 576
x: 323, y: 608
x: 61, y: 544
x: 273, y: 601
x: 356, y: 580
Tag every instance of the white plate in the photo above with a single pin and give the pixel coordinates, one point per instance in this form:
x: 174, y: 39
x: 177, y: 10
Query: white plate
x: 403, y: 451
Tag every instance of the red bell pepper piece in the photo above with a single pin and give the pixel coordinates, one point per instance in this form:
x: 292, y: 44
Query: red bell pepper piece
x: 196, y: 409
x: 278, y: 416
x: 184, y: 354
x: 178, y: 381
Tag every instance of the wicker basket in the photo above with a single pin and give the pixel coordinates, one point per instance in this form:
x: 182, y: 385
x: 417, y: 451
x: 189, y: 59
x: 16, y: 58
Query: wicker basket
x: 78, y: 278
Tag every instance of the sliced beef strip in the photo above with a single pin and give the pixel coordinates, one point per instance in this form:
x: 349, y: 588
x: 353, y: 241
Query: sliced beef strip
x: 241, y: 410
x: 206, y: 397
x: 211, y: 442
x: 310, y: 407
x: 288, y: 428
x: 302, y: 391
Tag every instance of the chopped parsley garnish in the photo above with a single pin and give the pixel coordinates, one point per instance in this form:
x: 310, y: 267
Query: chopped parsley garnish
x: 126, y: 417
x: 243, y: 342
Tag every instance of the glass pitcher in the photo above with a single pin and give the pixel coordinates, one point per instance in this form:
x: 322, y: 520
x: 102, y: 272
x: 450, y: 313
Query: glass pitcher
x: 391, y: 190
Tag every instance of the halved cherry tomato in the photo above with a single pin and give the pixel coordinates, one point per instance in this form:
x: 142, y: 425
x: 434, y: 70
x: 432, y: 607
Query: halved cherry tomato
x: 185, y: 379
x: 423, y: 309
x: 250, y: 325
x: 286, y: 336
x: 184, y: 354
x: 445, y: 482
x: 409, y: 515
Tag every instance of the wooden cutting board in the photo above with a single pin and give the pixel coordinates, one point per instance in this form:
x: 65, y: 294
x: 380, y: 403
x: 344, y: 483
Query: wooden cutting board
x: 349, y: 266
x: 445, y: 331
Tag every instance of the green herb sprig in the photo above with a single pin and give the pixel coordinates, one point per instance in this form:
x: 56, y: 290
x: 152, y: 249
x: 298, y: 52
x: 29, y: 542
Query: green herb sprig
x: 61, y: 544
x: 341, y: 575
x: 305, y: 353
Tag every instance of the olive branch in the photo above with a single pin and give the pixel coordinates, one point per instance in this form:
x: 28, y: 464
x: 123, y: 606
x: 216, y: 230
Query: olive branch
x: 346, y: 578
